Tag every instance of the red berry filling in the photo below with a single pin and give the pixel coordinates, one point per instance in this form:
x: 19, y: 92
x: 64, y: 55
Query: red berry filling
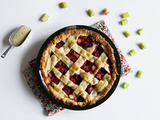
x: 87, y: 66
x: 89, y: 88
x: 80, y: 99
x: 60, y: 44
x: 73, y: 97
x: 101, y: 73
x: 52, y: 78
x: 76, y: 79
x: 68, y: 90
x: 85, y: 41
x: 98, y: 51
x: 72, y: 55
x: 110, y: 66
x: 51, y: 53
x: 93, y: 69
x: 76, y: 98
x: 61, y: 67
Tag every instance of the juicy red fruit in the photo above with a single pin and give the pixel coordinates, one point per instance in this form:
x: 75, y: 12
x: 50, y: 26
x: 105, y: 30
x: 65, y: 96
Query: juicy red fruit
x: 68, y: 90
x: 87, y: 66
x: 51, y: 53
x: 89, y: 88
x: 52, y: 78
x: 61, y: 67
x: 78, y: 98
x: 85, y: 41
x: 50, y: 74
x: 60, y: 44
x: 76, y: 79
x: 101, y: 73
x: 93, y: 69
x: 72, y: 55
x: 98, y: 51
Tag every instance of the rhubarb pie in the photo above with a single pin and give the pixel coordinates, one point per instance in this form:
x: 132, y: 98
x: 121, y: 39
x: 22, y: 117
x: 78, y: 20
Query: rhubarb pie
x: 78, y: 66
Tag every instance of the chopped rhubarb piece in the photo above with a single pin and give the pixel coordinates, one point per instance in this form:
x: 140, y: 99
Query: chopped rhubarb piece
x: 142, y: 45
x: 76, y: 79
x: 68, y: 90
x: 100, y: 73
x: 125, y: 85
x: 132, y: 52
x: 85, y: 41
x: 72, y: 55
x: 98, y: 51
x: 124, y: 22
x: 53, y: 78
x: 44, y: 18
x: 127, y: 34
x: 60, y: 44
x: 140, y: 74
x: 105, y: 11
x: 125, y: 15
x: 87, y: 66
x: 91, y: 12
x: 140, y: 31
x: 63, y: 5
x: 61, y: 67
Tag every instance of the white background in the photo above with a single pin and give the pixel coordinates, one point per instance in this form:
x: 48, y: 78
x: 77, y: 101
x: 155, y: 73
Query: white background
x: 141, y: 101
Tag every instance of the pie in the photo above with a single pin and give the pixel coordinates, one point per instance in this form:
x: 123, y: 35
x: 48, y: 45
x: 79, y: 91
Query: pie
x: 78, y: 66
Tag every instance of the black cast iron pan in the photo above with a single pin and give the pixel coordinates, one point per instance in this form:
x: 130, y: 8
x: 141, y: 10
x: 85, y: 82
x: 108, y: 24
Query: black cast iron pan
x: 44, y: 87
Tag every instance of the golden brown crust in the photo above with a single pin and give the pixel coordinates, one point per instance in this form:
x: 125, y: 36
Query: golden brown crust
x: 45, y: 69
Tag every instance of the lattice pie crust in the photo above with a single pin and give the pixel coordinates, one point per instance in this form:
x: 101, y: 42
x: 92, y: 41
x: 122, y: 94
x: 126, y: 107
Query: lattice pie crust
x: 78, y: 67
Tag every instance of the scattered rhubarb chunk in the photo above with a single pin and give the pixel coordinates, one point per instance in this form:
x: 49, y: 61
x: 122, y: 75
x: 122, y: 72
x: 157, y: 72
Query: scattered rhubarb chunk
x: 105, y: 11
x: 91, y: 12
x: 125, y: 15
x: 132, y: 52
x: 142, y: 45
x: 140, y: 31
x: 124, y: 22
x: 45, y: 17
x: 63, y: 5
x: 127, y: 33
x: 139, y: 74
x: 125, y: 85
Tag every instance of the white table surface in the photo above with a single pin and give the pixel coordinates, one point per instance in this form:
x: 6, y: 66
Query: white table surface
x: 141, y: 101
